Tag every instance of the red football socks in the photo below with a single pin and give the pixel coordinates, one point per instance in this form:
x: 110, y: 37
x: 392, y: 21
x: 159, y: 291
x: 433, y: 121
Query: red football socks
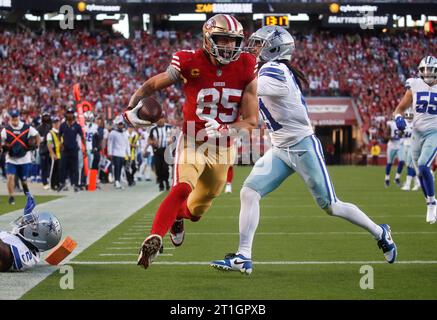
x: 168, y: 210
x: 230, y: 176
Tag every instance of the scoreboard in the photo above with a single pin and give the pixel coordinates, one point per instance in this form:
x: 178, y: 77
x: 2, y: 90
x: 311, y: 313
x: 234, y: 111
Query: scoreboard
x: 276, y: 20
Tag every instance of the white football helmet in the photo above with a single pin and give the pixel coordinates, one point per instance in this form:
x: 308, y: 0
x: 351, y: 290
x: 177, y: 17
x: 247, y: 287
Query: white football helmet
x: 271, y: 43
x: 41, y: 229
x: 428, y: 69
x: 89, y: 116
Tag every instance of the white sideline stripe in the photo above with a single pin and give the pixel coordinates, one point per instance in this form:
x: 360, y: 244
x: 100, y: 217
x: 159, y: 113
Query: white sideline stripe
x: 131, y: 248
x: 130, y: 254
x: 313, y: 217
x: 199, y: 263
x: 303, y: 233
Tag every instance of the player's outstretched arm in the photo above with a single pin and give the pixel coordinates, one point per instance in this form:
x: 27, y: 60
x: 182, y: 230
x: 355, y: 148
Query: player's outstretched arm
x: 400, y: 109
x: 155, y: 83
x: 404, y: 104
x: 249, y: 108
x: 6, y: 258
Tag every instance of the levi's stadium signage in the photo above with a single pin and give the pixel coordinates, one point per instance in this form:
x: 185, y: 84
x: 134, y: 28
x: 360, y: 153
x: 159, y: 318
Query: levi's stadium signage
x: 223, y: 8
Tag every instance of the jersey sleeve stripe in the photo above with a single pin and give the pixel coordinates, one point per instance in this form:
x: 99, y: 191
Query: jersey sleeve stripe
x: 17, y: 262
x: 176, y: 62
x: 272, y: 75
x: 273, y: 70
x: 175, y: 57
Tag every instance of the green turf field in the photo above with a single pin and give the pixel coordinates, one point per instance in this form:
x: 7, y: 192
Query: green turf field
x: 302, y: 252
x: 20, y: 202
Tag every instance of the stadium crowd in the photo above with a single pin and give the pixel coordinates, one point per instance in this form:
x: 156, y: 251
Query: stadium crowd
x: 37, y: 72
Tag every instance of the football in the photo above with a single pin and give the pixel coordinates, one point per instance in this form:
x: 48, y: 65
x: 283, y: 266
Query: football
x: 151, y: 110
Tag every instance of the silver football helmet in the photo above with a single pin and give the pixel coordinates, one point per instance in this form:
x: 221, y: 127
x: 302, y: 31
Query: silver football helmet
x: 428, y: 69
x: 41, y: 229
x: 271, y: 43
x: 89, y: 116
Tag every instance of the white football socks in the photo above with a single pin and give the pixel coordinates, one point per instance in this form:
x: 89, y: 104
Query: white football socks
x: 249, y: 219
x: 353, y: 214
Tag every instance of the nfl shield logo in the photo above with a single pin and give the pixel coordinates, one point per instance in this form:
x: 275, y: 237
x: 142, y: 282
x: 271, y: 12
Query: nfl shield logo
x: 219, y: 72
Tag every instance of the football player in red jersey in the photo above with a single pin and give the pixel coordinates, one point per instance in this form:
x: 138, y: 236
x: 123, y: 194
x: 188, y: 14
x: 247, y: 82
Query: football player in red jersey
x: 219, y: 82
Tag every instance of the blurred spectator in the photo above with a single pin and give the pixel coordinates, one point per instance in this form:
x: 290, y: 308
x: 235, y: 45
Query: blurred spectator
x: 54, y: 148
x: 375, y: 151
x: 118, y: 150
x: 45, y: 161
x: 69, y: 133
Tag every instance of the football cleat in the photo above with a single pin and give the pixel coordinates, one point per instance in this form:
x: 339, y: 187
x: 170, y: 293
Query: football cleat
x: 234, y: 262
x: 431, y: 213
x: 177, y: 233
x: 149, y: 250
x: 387, y: 244
x: 406, y: 187
x: 416, y: 187
x: 386, y: 183
x: 398, y: 182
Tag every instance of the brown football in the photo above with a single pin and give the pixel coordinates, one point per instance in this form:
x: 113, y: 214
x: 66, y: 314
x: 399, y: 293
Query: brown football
x: 151, y: 110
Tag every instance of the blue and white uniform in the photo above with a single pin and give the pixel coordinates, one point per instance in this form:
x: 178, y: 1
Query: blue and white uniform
x: 24, y: 258
x: 424, y: 137
x: 295, y: 147
x: 406, y: 144
x: 394, y: 146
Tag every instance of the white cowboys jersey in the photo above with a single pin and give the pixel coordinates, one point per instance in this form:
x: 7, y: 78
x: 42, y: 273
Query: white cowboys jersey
x: 24, y: 258
x: 282, y: 105
x: 90, y: 131
x: 406, y: 138
x: 424, y: 104
x: 395, y: 135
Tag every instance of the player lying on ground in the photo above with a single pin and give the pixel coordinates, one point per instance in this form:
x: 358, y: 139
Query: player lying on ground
x: 295, y: 149
x: 32, y: 234
x: 422, y: 95
x: 219, y: 83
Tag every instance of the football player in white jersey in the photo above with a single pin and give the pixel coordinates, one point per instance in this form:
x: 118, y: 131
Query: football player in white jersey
x: 406, y: 146
x: 394, y: 150
x: 91, y: 129
x: 295, y: 148
x: 33, y: 233
x: 422, y: 95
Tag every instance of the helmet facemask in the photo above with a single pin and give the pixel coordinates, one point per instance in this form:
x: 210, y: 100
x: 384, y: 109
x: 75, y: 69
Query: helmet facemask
x: 225, y: 54
x: 428, y: 70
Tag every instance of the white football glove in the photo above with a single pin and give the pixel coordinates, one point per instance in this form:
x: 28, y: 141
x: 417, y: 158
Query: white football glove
x: 216, y: 130
x: 132, y: 119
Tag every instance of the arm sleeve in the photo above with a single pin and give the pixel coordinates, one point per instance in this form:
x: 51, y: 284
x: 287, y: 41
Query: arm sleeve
x: 173, y: 73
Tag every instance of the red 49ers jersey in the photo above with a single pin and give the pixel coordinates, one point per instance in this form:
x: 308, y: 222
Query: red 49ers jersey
x: 212, y: 92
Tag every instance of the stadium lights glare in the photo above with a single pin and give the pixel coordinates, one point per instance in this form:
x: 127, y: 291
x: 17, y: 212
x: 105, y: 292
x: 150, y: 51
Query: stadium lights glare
x: 188, y: 17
